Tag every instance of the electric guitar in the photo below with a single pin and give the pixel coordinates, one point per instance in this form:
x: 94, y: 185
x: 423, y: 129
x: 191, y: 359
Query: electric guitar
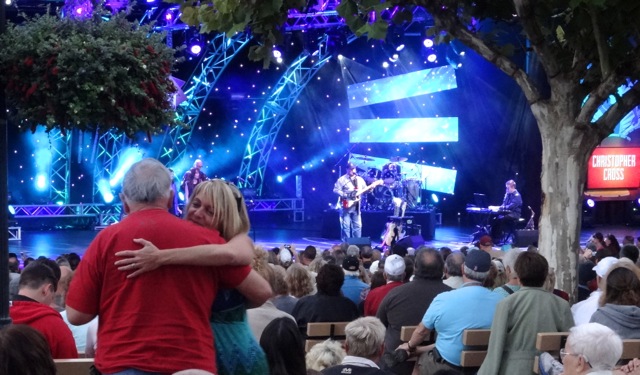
x: 348, y: 203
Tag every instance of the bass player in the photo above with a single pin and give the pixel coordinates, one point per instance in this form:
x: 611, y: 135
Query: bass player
x: 350, y: 188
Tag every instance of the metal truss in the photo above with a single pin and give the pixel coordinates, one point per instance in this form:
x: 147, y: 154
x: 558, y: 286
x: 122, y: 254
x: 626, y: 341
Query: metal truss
x: 60, y: 166
x: 269, y: 205
x: 64, y: 210
x: 219, y: 53
x: 274, y: 112
x: 107, y: 150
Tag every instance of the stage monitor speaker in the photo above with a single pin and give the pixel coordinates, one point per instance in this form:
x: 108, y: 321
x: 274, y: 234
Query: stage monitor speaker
x: 359, y: 241
x: 410, y: 241
x: 525, y: 238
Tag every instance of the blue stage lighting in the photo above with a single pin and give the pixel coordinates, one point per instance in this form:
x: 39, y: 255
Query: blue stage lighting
x: 280, y: 179
x: 12, y: 210
x: 591, y: 203
x: 181, y: 196
x: 105, y: 191
x: 428, y: 43
x: 128, y: 158
x: 41, y: 182
x: 435, y: 198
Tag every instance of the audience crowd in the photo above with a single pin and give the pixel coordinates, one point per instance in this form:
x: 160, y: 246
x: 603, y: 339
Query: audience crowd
x: 212, y: 302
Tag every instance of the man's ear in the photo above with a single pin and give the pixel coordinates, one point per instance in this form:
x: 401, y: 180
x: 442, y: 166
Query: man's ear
x: 125, y: 206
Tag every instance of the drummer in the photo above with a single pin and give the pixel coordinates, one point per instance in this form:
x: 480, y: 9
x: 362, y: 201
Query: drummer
x: 391, y: 174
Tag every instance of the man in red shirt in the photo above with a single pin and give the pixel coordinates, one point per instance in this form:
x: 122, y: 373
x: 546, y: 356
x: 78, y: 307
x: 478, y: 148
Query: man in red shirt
x: 159, y: 322
x: 37, y: 290
x: 394, y: 268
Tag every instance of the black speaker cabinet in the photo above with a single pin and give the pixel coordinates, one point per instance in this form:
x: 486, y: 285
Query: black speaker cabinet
x: 525, y: 238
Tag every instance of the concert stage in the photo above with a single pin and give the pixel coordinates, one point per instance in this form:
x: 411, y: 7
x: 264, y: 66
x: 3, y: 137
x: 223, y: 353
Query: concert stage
x: 374, y: 223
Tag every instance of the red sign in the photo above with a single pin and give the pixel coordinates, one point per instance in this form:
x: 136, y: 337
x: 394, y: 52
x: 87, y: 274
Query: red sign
x: 614, y: 168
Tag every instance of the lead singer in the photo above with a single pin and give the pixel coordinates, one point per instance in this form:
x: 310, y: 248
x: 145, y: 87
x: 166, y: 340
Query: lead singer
x: 350, y: 187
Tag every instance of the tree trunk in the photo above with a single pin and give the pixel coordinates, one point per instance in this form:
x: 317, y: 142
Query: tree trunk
x: 566, y: 148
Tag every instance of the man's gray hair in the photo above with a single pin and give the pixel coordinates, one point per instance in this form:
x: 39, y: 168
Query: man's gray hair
x: 475, y: 275
x: 509, y: 260
x: 453, y: 263
x: 598, y: 344
x: 395, y: 277
x: 146, y: 182
x: 364, y: 337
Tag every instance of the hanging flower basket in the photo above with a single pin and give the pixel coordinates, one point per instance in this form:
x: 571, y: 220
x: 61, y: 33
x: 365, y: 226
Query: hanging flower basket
x: 87, y: 74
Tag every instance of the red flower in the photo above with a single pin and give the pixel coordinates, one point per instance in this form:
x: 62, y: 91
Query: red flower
x: 55, y: 71
x: 28, y: 61
x: 150, y: 49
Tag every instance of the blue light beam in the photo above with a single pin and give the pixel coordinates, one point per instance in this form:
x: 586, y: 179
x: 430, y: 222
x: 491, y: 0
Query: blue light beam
x: 403, y: 86
x: 404, y: 130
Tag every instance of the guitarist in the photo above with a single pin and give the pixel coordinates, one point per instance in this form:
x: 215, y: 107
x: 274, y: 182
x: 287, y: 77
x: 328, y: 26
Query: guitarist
x: 350, y: 187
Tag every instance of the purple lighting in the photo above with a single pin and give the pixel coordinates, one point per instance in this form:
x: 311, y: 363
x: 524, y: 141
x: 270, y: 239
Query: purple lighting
x: 195, y: 49
x: 168, y: 16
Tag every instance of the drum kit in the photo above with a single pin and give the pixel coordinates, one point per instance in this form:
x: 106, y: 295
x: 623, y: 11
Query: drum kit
x: 397, y: 188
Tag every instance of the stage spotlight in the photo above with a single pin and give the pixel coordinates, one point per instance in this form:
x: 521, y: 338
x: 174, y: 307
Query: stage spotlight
x: 591, y: 203
x: 195, y: 48
x: 128, y: 158
x: 400, y: 47
x: 394, y: 58
x: 428, y: 43
x: 434, y: 198
x: 385, y: 65
x: 168, y: 16
x: 181, y: 196
x: 12, y: 211
x: 105, y: 190
x: 432, y: 57
x: 8, y: 2
x: 41, y: 182
x: 276, y: 53
x: 280, y: 179
x: 340, y: 57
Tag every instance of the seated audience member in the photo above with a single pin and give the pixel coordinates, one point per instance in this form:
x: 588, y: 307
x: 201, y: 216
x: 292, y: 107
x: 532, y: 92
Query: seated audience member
x: 284, y: 347
x: 260, y: 317
x: 590, y: 349
x: 486, y: 244
x: 325, y: 354
x: 394, y: 268
x: 519, y: 318
x: 282, y: 300
x: 406, y: 304
x: 353, y: 285
x: 629, y: 251
x: 582, y: 311
x: 453, y: 270
x: 37, y: 291
x: 308, y: 255
x: 611, y: 243
x: 471, y: 306
x: 24, y: 351
x: 586, y: 275
x: 364, y: 345
x: 628, y: 240
x: 513, y: 282
x: 550, y: 285
x: 445, y: 252
x: 299, y: 280
x: 620, y: 300
x: 353, y: 251
x: 328, y: 305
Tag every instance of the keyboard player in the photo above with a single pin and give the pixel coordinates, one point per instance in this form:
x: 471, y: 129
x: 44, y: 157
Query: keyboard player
x: 508, y: 212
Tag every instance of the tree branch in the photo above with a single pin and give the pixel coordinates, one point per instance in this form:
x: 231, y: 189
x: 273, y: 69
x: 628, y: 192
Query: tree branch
x: 603, y: 55
x: 525, y: 11
x: 527, y: 85
x: 597, y: 96
x: 616, y: 112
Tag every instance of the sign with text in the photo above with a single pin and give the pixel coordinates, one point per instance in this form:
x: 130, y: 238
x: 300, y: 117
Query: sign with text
x: 614, y: 168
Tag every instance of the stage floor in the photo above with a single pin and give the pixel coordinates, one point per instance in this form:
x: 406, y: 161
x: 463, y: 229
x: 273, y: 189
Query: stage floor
x: 52, y: 243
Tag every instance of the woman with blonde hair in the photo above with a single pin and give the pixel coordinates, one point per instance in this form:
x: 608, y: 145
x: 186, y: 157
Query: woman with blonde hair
x: 299, y: 280
x: 219, y: 206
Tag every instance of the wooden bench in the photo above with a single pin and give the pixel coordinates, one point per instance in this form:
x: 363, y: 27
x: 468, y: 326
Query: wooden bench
x: 476, y: 342
x: 319, y: 332
x: 552, y: 342
x: 79, y: 366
